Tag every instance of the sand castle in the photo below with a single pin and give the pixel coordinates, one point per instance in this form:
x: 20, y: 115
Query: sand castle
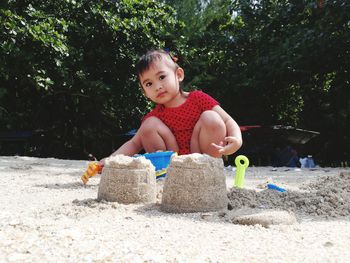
x: 128, y: 180
x: 194, y: 183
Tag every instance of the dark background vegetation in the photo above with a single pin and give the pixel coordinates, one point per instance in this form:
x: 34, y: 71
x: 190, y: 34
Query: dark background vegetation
x: 68, y: 88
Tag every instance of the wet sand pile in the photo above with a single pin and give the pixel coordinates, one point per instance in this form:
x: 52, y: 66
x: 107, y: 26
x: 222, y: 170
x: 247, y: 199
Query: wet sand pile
x: 327, y: 197
x: 128, y: 180
x: 194, y: 183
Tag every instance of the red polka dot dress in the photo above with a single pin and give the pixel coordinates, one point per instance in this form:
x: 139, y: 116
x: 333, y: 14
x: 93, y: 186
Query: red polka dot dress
x: 182, y: 119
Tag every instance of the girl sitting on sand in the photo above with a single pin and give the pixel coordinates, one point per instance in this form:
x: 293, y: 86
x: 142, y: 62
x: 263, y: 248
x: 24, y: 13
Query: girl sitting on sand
x: 183, y: 122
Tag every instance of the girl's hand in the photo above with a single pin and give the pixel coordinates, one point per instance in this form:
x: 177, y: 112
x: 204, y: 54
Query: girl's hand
x: 231, y: 146
x: 102, y: 162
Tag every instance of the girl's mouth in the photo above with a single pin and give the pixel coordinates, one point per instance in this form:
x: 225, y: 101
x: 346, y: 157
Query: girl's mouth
x: 161, y: 94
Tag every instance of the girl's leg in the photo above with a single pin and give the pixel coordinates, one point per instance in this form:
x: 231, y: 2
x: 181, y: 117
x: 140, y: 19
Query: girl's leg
x: 156, y: 136
x: 209, y: 129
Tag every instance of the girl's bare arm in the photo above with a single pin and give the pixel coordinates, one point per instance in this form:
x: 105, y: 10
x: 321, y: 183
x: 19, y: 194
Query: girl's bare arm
x: 131, y: 147
x: 233, y: 139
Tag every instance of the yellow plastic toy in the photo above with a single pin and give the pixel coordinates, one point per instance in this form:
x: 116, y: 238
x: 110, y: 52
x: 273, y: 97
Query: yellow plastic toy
x: 242, y: 163
x: 93, y: 169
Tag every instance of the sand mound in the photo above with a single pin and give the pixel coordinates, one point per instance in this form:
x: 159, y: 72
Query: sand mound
x: 194, y: 183
x: 327, y: 197
x: 261, y: 217
x: 128, y: 180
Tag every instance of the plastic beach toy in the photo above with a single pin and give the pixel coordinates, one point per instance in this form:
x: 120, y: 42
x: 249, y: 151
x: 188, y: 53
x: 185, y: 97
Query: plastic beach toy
x: 242, y: 163
x: 93, y: 169
x: 275, y: 187
x: 160, y: 161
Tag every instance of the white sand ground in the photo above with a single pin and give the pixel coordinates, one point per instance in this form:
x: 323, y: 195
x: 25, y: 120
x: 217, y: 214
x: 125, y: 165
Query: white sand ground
x: 47, y: 215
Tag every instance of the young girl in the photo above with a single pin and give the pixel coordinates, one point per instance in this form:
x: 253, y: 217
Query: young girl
x: 183, y: 122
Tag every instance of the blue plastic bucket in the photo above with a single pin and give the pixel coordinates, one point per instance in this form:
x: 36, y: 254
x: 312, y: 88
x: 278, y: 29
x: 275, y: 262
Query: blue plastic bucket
x: 160, y: 161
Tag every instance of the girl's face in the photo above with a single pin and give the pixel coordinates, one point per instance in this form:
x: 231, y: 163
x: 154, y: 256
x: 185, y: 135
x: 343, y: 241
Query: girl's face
x: 161, y: 83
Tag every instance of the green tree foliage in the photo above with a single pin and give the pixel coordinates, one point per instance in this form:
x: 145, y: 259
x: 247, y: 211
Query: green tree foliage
x: 67, y: 65
x: 68, y: 69
x: 275, y: 62
x: 298, y: 64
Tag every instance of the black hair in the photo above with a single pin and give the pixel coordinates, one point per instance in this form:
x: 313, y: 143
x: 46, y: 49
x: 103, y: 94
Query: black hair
x: 150, y: 57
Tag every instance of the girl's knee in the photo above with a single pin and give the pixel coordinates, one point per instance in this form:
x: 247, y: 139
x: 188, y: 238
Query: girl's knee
x: 151, y: 125
x: 154, y: 125
x: 155, y: 135
x: 211, y: 120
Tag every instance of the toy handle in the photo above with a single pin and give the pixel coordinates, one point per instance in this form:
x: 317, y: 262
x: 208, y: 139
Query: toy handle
x: 93, y: 169
x: 242, y: 163
x: 275, y: 187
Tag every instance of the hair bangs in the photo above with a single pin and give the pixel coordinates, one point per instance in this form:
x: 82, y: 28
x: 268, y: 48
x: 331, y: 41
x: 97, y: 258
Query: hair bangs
x: 146, y: 61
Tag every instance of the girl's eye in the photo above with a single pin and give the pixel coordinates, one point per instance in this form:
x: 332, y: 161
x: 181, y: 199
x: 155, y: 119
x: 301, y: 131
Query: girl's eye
x: 161, y: 77
x: 148, y: 84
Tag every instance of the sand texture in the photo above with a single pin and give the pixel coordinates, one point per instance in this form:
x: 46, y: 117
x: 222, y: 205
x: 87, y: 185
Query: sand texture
x: 47, y: 215
x: 263, y: 217
x: 128, y: 180
x: 328, y: 196
x: 194, y: 183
